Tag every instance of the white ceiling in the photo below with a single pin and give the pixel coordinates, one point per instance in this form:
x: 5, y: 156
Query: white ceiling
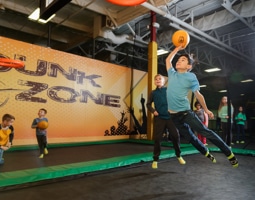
x: 222, y: 34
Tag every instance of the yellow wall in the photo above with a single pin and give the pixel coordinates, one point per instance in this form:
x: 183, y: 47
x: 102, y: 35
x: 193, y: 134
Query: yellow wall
x: 83, y: 97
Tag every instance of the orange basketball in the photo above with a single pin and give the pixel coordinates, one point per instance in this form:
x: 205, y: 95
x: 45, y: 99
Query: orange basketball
x: 42, y: 125
x: 180, y: 38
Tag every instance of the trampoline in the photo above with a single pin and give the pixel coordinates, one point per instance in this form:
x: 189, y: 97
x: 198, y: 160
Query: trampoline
x: 122, y: 170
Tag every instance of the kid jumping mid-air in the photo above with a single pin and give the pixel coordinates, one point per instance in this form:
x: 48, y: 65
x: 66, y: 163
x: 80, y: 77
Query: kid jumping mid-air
x: 41, y: 134
x: 180, y: 82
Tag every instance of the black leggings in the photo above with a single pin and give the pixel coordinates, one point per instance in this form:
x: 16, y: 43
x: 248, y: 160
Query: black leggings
x: 226, y: 132
x: 160, y: 126
x: 42, y: 142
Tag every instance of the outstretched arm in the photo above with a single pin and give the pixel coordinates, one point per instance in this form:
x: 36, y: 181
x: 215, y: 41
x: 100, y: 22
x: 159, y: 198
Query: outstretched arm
x: 206, y: 119
x: 201, y: 100
x: 170, y: 57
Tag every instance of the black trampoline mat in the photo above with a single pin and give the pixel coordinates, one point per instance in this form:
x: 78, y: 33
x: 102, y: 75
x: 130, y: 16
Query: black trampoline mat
x: 199, y: 179
x: 21, y: 160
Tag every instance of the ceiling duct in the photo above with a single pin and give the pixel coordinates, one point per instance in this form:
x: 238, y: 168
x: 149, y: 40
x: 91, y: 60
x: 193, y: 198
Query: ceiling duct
x: 115, y: 39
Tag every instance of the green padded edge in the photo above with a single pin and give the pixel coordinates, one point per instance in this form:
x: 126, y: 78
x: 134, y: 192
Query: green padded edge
x: 52, y: 172
x: 44, y: 173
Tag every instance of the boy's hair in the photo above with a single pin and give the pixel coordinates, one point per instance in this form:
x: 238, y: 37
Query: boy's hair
x: 44, y: 110
x: 158, y: 75
x: 189, y: 58
x: 7, y: 117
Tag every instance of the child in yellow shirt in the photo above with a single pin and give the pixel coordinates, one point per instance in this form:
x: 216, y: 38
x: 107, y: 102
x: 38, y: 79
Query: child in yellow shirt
x: 5, y: 131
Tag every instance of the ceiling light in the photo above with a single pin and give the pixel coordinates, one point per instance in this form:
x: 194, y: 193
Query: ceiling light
x: 2, y: 8
x: 247, y: 80
x: 202, y: 86
x: 222, y: 91
x: 213, y: 70
x: 45, y: 21
x: 35, y: 16
x: 162, y: 51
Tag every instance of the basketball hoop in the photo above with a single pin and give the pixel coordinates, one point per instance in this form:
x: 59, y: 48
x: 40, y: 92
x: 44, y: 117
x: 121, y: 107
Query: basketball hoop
x: 127, y: 2
x: 7, y: 62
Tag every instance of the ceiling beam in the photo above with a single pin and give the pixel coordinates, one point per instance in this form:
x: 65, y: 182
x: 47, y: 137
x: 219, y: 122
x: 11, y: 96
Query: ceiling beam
x: 199, y: 34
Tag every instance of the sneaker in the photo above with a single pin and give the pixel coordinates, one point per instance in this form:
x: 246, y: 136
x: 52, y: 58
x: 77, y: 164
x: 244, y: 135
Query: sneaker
x: 242, y: 142
x: 232, y: 159
x: 234, y: 163
x: 181, y: 160
x: 41, y: 156
x: 211, y: 157
x: 237, y: 142
x: 46, y: 151
x: 154, y: 165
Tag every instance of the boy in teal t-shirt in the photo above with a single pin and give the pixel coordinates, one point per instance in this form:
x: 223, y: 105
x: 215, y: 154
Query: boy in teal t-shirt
x: 180, y: 82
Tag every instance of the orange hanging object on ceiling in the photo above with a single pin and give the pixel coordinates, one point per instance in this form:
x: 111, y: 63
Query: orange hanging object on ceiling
x: 126, y: 2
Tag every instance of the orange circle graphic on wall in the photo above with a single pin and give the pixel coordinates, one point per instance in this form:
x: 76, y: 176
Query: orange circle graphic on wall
x: 7, y: 62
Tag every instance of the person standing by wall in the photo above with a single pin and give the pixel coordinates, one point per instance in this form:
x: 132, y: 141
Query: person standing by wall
x: 226, y: 127
x: 240, y: 125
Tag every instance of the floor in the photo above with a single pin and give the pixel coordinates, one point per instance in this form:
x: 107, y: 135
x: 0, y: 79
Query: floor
x: 198, y: 179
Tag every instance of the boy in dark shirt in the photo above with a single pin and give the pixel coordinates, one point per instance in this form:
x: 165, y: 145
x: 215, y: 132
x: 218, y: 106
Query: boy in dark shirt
x: 41, y: 134
x: 162, y: 121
